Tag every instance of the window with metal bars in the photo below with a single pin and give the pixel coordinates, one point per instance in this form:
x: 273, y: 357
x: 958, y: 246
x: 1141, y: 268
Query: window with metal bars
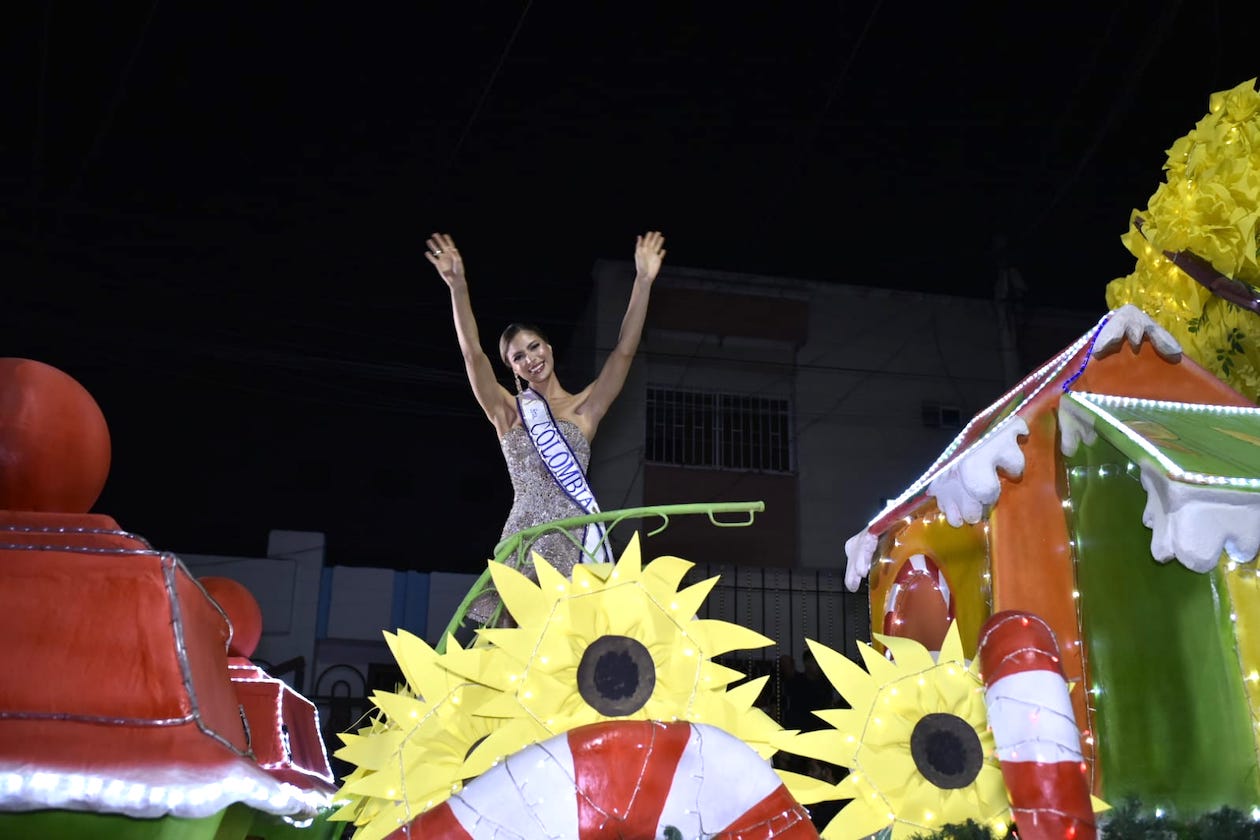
x: 716, y: 430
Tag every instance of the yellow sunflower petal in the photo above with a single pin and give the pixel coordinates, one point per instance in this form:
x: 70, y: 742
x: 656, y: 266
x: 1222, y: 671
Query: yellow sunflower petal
x: 849, y: 787
x: 881, y: 669
x: 552, y: 584
x: 951, y: 647
x: 480, y: 665
x: 806, y: 789
x: 507, y: 740
x: 618, y: 606
x: 908, y: 654
x: 663, y: 575
x: 388, y: 820
x: 823, y: 744
x: 718, y: 675
x: 859, y: 819
x: 401, y: 708
x: 848, y: 721
x: 414, y: 657
x: 515, y: 644
x: 854, y: 684
x: 690, y: 599
x: 374, y: 752
x: 346, y: 813
x: 587, y: 578
x: 954, y: 685
x: 723, y: 637
x: 522, y: 597
x: 745, y: 695
x: 629, y: 564
x: 500, y: 706
x: 990, y: 790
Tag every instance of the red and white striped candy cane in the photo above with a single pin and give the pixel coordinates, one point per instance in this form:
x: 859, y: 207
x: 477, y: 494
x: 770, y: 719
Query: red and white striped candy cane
x: 622, y: 779
x: 1031, y: 716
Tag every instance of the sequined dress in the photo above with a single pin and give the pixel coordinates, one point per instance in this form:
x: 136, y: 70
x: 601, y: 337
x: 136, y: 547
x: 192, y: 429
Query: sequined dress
x: 538, y: 499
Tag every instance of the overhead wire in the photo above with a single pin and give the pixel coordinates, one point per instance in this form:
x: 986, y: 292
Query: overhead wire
x: 115, y: 101
x: 1120, y: 104
x: 481, y: 100
x: 801, y: 155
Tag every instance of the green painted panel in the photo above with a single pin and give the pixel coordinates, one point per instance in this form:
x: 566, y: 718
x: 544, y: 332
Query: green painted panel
x: 77, y: 825
x: 1209, y: 440
x: 1172, y: 723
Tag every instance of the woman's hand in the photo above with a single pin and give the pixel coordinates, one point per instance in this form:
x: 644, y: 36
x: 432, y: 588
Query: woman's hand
x: 649, y: 251
x: 445, y: 258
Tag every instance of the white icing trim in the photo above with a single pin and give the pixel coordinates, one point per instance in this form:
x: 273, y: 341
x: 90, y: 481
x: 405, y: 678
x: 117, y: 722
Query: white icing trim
x: 1195, y: 523
x: 152, y: 792
x: 1044, y: 375
x: 1132, y: 323
x: 860, y: 551
x: 1126, y: 322
x: 1076, y: 426
x: 971, y: 483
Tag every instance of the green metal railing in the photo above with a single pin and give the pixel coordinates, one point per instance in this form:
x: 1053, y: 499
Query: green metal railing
x: 514, y: 549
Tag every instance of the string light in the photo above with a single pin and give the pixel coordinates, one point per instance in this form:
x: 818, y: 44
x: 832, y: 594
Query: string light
x: 1043, y: 376
x: 1098, y: 405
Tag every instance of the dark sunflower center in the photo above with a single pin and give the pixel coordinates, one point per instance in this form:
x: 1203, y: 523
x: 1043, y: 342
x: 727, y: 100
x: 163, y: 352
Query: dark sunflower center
x: 946, y: 750
x: 616, y: 675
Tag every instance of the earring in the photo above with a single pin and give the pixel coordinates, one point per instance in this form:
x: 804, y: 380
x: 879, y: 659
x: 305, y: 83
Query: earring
x: 517, y: 377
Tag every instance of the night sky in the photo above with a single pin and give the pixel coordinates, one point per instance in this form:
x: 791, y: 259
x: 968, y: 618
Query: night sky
x: 214, y: 213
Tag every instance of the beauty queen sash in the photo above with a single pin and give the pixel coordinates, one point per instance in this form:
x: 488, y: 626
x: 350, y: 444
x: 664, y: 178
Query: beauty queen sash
x: 563, y: 466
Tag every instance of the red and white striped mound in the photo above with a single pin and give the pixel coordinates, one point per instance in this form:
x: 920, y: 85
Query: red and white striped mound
x: 1031, y: 716
x: 623, y: 779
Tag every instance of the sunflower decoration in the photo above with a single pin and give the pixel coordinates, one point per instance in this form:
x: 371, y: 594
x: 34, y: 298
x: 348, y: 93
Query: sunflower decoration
x: 916, y: 741
x: 1205, y: 214
x: 615, y: 642
x: 414, y: 753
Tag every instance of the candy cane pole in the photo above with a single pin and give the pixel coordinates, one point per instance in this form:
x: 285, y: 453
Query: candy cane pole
x: 623, y: 779
x: 1037, y: 740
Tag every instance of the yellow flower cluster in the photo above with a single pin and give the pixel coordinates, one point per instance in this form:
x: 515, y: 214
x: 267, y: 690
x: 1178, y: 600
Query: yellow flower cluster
x: 1209, y: 205
x: 887, y: 789
x: 463, y: 711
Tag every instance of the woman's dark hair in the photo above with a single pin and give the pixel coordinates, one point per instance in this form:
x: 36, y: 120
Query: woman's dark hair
x: 511, y: 332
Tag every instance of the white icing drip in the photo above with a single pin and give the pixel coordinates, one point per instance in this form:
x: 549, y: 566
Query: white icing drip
x: 1132, y: 323
x: 1195, y: 523
x: 860, y: 551
x: 1075, y: 427
x: 971, y: 483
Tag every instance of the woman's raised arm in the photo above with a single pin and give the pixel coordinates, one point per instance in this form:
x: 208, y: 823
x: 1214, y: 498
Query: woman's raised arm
x: 649, y: 251
x: 493, y: 398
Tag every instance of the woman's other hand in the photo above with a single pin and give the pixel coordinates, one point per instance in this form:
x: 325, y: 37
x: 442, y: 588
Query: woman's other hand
x: 445, y: 258
x: 649, y: 251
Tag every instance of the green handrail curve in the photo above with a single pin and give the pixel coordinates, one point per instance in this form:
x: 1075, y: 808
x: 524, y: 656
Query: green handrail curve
x: 513, y: 549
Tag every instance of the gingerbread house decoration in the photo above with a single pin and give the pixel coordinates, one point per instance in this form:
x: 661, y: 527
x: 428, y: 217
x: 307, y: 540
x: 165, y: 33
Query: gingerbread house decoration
x: 1114, y: 492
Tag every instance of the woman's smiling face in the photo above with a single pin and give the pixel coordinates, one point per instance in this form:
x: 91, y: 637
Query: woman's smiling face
x: 529, y: 356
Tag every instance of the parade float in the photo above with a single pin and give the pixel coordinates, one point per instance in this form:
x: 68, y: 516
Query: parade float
x: 1064, y: 610
x: 129, y: 708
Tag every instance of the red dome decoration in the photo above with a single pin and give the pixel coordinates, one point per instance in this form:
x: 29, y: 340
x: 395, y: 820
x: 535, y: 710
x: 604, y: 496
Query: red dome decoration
x: 54, y: 443
x: 242, y: 611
